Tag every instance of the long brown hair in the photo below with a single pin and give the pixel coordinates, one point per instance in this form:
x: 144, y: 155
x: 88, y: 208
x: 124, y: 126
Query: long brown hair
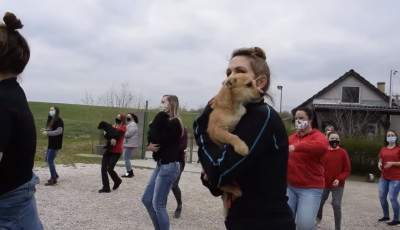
x: 52, y: 119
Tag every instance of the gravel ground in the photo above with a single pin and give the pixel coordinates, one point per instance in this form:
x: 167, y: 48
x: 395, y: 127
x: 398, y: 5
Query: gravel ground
x: 74, y: 203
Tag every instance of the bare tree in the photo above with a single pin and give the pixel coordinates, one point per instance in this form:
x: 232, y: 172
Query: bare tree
x: 88, y: 100
x: 120, y: 97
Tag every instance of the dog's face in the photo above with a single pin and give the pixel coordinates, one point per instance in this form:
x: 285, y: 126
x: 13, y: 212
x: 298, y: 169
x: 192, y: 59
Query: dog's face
x: 244, y: 88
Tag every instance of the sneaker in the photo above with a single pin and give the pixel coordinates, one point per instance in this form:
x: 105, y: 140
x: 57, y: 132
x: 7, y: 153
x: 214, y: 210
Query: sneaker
x: 116, y: 184
x: 105, y: 190
x: 178, y: 211
x: 51, y: 182
x: 128, y: 174
x: 383, y: 219
x: 394, y: 223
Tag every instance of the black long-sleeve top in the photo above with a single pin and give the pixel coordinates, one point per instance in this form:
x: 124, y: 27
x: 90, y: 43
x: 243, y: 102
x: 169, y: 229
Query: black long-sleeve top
x: 17, y: 136
x: 261, y: 174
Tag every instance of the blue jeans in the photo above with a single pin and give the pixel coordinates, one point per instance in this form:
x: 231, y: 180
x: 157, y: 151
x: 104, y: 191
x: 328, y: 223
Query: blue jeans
x: 156, y: 193
x: 304, y: 203
x: 392, y: 187
x: 127, y: 155
x: 50, y: 156
x: 337, y: 194
x: 18, y: 207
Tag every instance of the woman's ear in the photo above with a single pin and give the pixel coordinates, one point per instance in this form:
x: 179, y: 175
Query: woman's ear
x: 262, y: 81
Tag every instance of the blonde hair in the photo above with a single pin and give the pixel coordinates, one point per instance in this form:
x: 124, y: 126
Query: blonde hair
x: 174, y: 107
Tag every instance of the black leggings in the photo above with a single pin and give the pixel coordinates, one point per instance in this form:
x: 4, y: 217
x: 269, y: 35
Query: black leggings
x: 108, y: 163
x: 175, y: 186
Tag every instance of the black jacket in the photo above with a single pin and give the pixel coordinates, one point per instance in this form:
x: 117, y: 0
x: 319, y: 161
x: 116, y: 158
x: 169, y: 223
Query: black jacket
x: 55, y: 142
x: 261, y: 174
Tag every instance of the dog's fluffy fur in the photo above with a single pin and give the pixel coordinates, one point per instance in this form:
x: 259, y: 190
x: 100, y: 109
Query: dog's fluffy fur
x: 111, y: 133
x: 227, y: 111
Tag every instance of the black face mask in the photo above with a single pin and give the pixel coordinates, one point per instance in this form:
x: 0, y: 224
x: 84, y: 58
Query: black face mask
x: 117, y: 120
x: 334, y: 144
x: 128, y: 119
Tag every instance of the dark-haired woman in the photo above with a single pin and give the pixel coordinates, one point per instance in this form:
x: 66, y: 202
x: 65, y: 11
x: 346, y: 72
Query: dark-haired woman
x: 55, y: 131
x: 131, y: 142
x: 17, y: 134
x: 306, y: 181
x: 263, y: 204
x: 389, y: 183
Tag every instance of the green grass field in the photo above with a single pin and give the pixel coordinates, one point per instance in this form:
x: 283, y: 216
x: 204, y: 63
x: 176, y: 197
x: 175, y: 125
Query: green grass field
x: 81, y: 134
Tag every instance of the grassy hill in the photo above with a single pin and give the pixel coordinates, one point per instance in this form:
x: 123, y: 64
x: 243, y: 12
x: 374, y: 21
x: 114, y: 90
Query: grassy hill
x: 80, y: 123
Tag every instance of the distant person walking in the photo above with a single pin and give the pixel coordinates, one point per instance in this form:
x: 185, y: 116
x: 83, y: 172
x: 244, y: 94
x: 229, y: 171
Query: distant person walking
x: 17, y: 134
x: 55, y: 131
x: 337, y: 169
x: 111, y: 156
x: 389, y: 183
x: 131, y: 142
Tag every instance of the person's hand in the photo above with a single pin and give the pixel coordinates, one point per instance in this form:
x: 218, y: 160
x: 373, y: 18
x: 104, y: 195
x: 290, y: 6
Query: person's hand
x: 388, y: 165
x: 113, y: 142
x: 335, y: 183
x: 44, y: 132
x: 291, y: 148
x: 104, y: 132
x: 380, y: 165
x: 42, y: 129
x: 204, y: 175
x: 153, y: 147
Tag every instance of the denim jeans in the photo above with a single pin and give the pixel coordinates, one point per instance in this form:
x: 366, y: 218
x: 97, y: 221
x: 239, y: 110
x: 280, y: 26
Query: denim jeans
x: 18, y: 207
x: 337, y: 194
x: 127, y: 155
x: 392, y: 187
x: 50, y: 156
x: 304, y: 203
x: 156, y: 193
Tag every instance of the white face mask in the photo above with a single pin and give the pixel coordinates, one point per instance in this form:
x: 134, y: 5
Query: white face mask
x: 52, y: 113
x: 300, y: 124
x: 391, y: 139
x: 163, y: 108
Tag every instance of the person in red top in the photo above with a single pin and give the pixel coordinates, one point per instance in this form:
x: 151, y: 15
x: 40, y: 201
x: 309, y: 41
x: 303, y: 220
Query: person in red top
x: 111, y: 156
x: 305, y: 175
x: 389, y: 164
x: 337, y: 169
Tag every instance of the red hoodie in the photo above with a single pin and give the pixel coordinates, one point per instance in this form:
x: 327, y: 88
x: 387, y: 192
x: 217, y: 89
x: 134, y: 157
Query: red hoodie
x: 387, y: 155
x: 337, y: 166
x: 306, y: 167
x: 118, y: 147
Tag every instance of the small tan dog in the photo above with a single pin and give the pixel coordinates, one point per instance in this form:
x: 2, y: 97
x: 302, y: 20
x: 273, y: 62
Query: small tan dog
x: 228, y: 109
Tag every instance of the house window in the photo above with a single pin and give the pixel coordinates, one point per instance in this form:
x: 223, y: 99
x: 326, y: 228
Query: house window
x: 350, y: 94
x: 372, y: 129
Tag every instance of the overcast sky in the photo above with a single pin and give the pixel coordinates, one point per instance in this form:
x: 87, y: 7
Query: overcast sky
x: 182, y: 47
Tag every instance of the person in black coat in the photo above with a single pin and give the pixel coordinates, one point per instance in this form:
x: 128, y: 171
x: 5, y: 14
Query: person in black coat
x: 261, y: 175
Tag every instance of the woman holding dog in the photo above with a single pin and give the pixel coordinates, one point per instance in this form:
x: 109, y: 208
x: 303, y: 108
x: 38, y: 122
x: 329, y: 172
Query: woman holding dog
x: 131, y: 142
x: 17, y: 133
x: 111, y: 156
x: 337, y: 169
x: 167, y: 155
x: 389, y: 183
x: 306, y: 180
x: 261, y: 174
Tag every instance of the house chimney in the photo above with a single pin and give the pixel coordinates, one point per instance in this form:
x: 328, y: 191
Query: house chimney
x: 381, y: 86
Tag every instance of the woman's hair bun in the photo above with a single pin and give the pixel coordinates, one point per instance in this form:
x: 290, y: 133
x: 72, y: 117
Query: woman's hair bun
x: 259, y: 53
x: 12, y: 22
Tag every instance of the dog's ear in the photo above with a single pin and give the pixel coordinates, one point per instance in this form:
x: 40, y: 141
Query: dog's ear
x: 230, y: 82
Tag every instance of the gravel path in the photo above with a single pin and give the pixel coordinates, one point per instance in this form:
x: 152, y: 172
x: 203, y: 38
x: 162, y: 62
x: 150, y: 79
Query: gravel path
x: 74, y: 203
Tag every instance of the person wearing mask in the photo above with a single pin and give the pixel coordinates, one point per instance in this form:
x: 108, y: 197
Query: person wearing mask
x: 389, y: 183
x: 337, y: 169
x: 111, y: 156
x: 164, y: 138
x: 263, y: 204
x: 17, y: 134
x: 305, y: 177
x: 131, y: 142
x: 55, y: 130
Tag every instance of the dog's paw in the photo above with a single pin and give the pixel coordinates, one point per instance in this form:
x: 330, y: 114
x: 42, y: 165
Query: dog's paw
x: 241, y: 149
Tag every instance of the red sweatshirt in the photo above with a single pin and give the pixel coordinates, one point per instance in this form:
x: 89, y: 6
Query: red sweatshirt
x: 118, y: 147
x: 306, y: 167
x: 337, y: 166
x: 392, y: 173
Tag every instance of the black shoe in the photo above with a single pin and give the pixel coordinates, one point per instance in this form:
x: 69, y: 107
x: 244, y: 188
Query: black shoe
x: 394, y: 223
x: 51, y: 182
x: 383, y: 219
x: 104, y: 189
x: 128, y: 174
x: 116, y: 184
x: 178, y: 211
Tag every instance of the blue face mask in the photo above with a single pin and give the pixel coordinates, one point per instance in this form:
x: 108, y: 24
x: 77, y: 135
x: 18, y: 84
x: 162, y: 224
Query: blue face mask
x: 391, y: 139
x: 52, y: 113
